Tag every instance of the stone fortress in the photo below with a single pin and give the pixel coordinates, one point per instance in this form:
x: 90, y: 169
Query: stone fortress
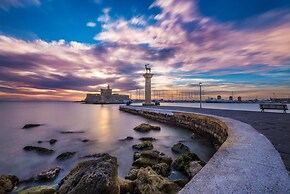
x: 106, y: 97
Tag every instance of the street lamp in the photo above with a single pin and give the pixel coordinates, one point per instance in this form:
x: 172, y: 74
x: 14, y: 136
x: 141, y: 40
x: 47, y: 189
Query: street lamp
x: 200, y: 95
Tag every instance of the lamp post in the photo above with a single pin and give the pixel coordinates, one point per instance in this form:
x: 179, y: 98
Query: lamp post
x: 200, y: 95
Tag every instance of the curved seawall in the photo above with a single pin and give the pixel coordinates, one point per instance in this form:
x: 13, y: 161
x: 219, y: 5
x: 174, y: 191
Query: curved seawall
x: 245, y: 162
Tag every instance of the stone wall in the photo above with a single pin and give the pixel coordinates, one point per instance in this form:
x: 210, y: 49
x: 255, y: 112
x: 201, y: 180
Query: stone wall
x: 213, y: 129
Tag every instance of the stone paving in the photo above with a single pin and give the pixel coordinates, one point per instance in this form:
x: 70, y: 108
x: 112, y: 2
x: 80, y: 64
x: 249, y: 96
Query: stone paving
x: 275, y: 126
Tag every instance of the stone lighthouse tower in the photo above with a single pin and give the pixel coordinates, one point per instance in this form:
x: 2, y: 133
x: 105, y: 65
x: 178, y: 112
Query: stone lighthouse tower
x: 148, y: 75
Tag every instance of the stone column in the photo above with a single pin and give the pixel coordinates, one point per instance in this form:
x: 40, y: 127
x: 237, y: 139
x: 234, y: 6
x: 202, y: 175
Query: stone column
x: 148, y: 77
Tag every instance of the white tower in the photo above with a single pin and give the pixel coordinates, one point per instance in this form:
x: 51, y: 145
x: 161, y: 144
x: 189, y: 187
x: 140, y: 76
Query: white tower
x: 148, y: 75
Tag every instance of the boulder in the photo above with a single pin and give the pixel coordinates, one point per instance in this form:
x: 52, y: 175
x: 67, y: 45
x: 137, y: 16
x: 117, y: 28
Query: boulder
x: 39, y: 190
x: 147, y: 139
x: 39, y: 150
x: 180, y: 148
x: 132, y: 174
x: 162, y: 169
x: 150, y: 158
x: 126, y: 186
x: 92, y: 176
x: 84, y: 140
x: 98, y: 155
x: 144, y: 145
x: 149, y: 182
x: 127, y: 138
x: 182, y: 163
x: 193, y: 168
x: 65, y: 155
x: 28, y: 126
x: 144, y: 127
x: 7, y: 183
x: 136, y: 155
x: 47, y: 175
x: 68, y: 132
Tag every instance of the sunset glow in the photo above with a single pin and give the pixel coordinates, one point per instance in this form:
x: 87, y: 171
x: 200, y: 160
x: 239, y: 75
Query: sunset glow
x: 61, y: 50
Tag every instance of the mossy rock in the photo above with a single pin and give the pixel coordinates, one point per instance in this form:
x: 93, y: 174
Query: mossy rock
x: 144, y: 145
x: 7, y: 183
x: 39, y: 150
x: 39, y: 190
x: 180, y: 148
x: 183, y: 161
x: 65, y: 155
x: 144, y: 127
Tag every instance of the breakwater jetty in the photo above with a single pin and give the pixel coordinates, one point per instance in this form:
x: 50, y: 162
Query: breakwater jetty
x: 246, y: 162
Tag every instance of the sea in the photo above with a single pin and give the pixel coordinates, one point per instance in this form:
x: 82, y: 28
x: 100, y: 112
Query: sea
x: 103, y: 125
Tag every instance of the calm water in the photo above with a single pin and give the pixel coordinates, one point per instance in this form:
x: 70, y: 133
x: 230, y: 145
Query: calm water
x: 103, y: 125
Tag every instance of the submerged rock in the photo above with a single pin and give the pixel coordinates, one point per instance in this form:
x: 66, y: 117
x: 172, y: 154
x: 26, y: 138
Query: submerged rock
x: 150, y: 158
x: 69, y: 132
x: 127, y: 138
x: 85, y: 140
x: 147, y: 139
x: 98, y: 155
x: 182, y: 163
x: 28, y: 126
x: 144, y: 127
x: 65, y: 155
x: 47, y: 175
x: 39, y: 190
x: 180, y: 148
x: 149, y: 182
x: 7, y: 183
x: 39, y: 150
x: 144, y: 145
x: 52, y: 141
x: 93, y: 176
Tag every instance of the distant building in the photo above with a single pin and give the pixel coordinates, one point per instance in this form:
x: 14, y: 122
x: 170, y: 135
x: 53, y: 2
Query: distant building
x: 281, y: 100
x: 239, y: 99
x: 231, y: 98
x: 219, y: 97
x: 106, y: 97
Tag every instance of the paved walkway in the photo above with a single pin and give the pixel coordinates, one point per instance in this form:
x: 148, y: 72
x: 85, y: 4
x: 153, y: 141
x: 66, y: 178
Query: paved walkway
x: 275, y: 126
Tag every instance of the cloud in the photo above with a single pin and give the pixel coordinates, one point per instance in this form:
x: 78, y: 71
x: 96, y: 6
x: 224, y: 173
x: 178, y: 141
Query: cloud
x: 6, y: 5
x: 182, y: 46
x: 91, y: 24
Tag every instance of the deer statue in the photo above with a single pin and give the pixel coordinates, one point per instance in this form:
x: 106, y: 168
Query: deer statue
x: 148, y: 69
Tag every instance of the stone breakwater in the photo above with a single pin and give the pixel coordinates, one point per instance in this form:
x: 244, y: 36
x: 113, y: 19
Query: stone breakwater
x: 213, y: 129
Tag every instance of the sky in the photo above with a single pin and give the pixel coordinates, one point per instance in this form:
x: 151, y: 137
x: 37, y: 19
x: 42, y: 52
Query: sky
x: 63, y: 49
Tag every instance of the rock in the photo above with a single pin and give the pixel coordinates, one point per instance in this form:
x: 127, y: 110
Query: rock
x: 136, y: 155
x: 52, y: 141
x: 93, y: 176
x: 181, y: 182
x: 144, y: 127
x: 193, y: 168
x: 147, y: 139
x: 39, y: 142
x: 132, y: 174
x: 39, y: 190
x: 182, y: 163
x: 28, y: 126
x: 7, y: 183
x: 65, y: 155
x: 98, y: 155
x: 127, y: 138
x: 149, y: 182
x: 39, y: 150
x: 180, y: 148
x: 68, y: 132
x: 85, y: 140
x: 126, y: 186
x: 47, y: 175
x: 144, y: 145
x: 162, y: 169
x: 150, y: 158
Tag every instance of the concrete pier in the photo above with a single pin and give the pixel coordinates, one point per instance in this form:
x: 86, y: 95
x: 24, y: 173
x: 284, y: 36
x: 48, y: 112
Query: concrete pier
x: 148, y: 77
x: 246, y: 162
